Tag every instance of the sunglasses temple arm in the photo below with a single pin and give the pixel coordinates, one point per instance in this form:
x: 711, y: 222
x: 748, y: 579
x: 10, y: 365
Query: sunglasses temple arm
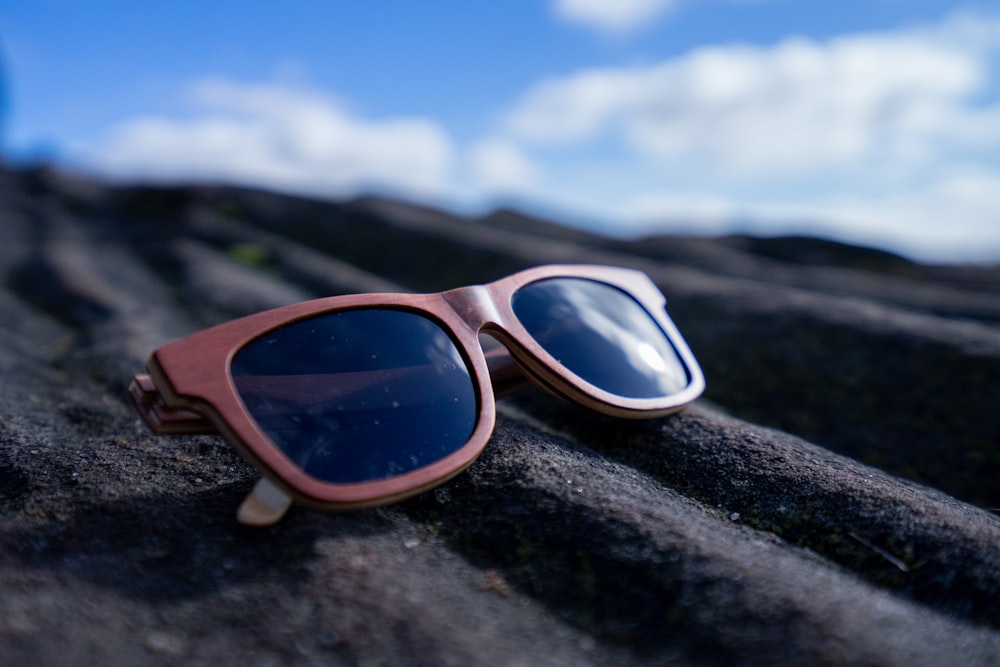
x: 163, y: 420
x: 505, y: 375
x: 264, y: 506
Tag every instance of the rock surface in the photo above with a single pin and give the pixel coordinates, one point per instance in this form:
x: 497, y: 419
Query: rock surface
x: 833, y: 499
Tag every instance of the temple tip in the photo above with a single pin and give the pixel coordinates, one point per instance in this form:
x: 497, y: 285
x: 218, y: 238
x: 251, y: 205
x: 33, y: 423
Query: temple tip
x: 264, y: 506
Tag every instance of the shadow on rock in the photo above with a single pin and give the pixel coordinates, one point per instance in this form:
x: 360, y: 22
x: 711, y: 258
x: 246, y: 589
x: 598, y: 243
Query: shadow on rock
x: 167, y: 548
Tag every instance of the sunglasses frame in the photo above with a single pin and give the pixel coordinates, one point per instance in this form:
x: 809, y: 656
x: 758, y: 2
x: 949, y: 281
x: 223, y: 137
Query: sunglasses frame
x: 190, y: 389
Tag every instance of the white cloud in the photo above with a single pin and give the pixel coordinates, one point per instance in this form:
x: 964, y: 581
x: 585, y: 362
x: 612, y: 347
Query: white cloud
x: 799, y: 105
x: 500, y: 166
x: 886, y: 138
x: 713, y: 213
x: 612, y: 16
x: 951, y: 217
x: 288, y: 138
x: 891, y: 136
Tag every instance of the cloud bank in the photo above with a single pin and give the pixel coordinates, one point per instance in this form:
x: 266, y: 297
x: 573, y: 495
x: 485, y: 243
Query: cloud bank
x: 611, y: 16
x: 890, y: 138
x: 289, y: 138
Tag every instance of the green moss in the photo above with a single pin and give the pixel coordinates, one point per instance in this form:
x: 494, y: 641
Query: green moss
x: 249, y: 254
x: 231, y: 209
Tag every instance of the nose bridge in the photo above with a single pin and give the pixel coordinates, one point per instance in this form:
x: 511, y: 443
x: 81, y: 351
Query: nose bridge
x: 475, y: 304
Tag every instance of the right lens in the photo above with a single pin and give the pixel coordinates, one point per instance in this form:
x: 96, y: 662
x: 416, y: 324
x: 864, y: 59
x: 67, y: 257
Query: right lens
x: 359, y: 395
x: 603, y: 335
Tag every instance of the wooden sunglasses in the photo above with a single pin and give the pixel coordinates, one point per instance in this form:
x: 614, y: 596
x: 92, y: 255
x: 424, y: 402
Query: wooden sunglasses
x: 360, y: 400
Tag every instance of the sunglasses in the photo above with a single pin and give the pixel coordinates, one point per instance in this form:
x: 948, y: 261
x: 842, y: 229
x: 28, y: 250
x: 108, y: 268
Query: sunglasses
x: 360, y: 400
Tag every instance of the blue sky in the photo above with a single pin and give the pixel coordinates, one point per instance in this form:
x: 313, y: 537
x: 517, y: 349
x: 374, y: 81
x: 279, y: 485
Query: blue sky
x: 873, y: 121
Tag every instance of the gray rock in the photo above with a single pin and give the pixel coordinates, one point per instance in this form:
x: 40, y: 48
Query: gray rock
x: 831, y: 501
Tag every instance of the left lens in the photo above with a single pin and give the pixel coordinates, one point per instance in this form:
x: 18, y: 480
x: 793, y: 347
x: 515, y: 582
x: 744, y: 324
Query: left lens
x: 359, y: 395
x: 603, y: 335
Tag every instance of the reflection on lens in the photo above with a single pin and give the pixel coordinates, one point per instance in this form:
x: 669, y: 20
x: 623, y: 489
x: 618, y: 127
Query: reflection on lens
x: 358, y: 395
x: 601, y: 334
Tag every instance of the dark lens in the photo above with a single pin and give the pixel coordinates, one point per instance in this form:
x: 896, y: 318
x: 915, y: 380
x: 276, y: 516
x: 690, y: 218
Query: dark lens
x: 601, y: 334
x: 359, y: 395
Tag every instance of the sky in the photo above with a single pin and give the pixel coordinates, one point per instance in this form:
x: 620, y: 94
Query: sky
x: 868, y: 121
